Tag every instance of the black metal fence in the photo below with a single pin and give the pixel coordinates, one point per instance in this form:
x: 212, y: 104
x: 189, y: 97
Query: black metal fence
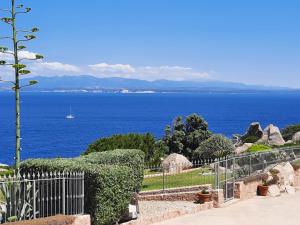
x: 177, y: 175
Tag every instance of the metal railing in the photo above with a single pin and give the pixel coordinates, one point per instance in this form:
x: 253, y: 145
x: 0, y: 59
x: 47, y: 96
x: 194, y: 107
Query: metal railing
x: 41, y: 195
x: 164, y: 177
x: 236, y: 168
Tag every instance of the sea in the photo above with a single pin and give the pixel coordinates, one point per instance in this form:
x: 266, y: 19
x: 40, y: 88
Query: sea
x: 46, y: 133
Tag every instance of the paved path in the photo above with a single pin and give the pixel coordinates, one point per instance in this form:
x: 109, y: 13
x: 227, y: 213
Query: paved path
x: 284, y: 210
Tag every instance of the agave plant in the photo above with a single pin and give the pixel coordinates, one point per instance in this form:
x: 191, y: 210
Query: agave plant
x: 17, y: 196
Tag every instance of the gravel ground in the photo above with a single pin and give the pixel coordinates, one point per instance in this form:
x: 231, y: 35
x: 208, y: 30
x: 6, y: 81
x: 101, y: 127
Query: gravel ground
x: 150, y: 208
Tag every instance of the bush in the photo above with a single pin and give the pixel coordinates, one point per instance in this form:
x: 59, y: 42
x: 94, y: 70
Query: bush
x: 249, y: 139
x: 216, y: 146
x: 132, y: 158
x: 108, y: 188
x: 259, y: 148
x: 144, y: 142
x: 7, y: 172
x: 289, y: 131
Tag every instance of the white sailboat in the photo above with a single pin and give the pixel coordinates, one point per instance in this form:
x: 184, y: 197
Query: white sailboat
x: 70, y: 116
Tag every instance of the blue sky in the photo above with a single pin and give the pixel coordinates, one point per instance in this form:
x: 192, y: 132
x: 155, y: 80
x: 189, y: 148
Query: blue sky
x: 250, y: 41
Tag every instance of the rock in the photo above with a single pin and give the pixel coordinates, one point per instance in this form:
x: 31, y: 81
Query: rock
x: 273, y: 191
x: 289, y: 142
x: 243, y: 148
x: 176, y: 163
x: 296, y: 138
x: 286, y: 174
x: 290, y: 190
x: 272, y: 136
x: 254, y: 130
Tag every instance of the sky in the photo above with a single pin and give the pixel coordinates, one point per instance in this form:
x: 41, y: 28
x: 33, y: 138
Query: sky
x: 249, y: 41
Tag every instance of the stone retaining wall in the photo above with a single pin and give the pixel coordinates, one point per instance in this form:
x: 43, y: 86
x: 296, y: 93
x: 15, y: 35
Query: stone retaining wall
x: 169, y: 215
x: 182, y: 196
x: 174, y: 194
x: 218, y: 198
x: 297, y: 178
x: 59, y: 219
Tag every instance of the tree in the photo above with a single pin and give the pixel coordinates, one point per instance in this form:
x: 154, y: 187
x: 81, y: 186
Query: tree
x: 216, y: 146
x: 185, y: 136
x: 145, y: 142
x: 16, y: 62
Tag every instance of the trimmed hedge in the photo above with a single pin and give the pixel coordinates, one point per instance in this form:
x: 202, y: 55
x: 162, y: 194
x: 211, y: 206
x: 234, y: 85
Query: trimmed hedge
x: 108, y: 188
x: 132, y: 158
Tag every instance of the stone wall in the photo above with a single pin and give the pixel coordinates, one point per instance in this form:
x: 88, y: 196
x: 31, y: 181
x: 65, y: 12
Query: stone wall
x: 182, y: 196
x: 174, y: 194
x: 169, y: 215
x: 60, y: 219
x: 244, y: 191
x: 297, y: 178
x: 218, y: 198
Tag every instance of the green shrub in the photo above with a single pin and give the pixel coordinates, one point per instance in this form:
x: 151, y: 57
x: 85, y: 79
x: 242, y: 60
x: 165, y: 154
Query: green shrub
x: 259, y: 148
x: 108, y: 188
x: 250, y: 139
x: 144, y: 142
x: 132, y: 158
x: 6, y: 172
x: 215, y: 147
x: 289, y: 131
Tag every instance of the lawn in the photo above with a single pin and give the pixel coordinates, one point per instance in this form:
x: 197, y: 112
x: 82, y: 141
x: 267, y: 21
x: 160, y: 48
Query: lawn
x: 192, y: 178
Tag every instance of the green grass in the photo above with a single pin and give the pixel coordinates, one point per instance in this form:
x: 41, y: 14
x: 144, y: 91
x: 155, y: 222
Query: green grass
x: 192, y: 178
x: 151, y: 172
x: 259, y: 148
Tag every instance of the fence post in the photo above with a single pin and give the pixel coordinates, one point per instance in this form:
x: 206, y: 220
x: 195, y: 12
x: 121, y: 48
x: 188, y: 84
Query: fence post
x: 250, y: 165
x: 63, y: 194
x: 82, y: 180
x: 34, y: 198
x: 233, y: 169
x: 163, y: 179
x: 226, y: 185
x: 217, y: 178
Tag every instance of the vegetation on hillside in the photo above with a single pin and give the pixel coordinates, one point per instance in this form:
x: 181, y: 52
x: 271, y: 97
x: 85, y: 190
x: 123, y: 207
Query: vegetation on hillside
x: 216, y: 146
x: 289, y: 131
x: 185, y: 136
x: 146, y: 142
x: 259, y: 148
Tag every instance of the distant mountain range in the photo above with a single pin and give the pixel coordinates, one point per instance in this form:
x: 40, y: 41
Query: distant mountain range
x: 115, y: 84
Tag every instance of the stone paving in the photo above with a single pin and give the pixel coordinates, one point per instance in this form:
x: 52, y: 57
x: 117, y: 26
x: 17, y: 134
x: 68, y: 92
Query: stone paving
x: 257, y: 211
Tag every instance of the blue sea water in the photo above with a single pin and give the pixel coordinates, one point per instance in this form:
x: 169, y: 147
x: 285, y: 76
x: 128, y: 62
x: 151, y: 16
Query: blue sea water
x: 46, y: 132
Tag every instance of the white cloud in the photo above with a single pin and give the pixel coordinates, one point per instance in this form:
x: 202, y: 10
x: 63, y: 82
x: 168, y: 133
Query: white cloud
x: 147, y: 72
x: 40, y: 67
x: 37, y: 67
x: 44, y: 68
x: 27, y: 55
x: 22, y: 55
x: 114, y: 68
